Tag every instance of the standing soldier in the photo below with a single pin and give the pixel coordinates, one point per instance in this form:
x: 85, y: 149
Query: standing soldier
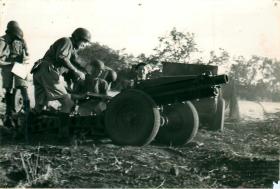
x: 13, y: 51
x: 47, y: 72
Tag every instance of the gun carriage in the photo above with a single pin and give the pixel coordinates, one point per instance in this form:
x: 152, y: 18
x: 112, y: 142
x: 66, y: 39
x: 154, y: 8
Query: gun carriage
x: 160, y: 109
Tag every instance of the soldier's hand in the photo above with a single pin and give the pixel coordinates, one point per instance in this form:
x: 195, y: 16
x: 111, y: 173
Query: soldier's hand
x: 4, y: 63
x: 80, y: 75
x: 26, y: 58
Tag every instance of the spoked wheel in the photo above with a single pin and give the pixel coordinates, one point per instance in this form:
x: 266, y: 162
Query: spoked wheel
x: 181, y: 124
x: 18, y: 101
x: 132, y: 118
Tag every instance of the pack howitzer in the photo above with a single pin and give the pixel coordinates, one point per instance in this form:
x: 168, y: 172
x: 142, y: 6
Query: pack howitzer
x: 157, y: 109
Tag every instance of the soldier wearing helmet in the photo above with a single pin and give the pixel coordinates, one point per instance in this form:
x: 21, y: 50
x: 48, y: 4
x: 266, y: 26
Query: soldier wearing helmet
x: 93, y: 82
x: 98, y: 80
x: 13, y: 51
x: 13, y: 29
x: 47, y: 72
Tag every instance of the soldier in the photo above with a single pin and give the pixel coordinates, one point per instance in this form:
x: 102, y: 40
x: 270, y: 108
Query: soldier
x: 96, y: 83
x: 47, y: 72
x: 13, y: 24
x: 141, y: 71
x: 93, y: 81
x: 110, y: 76
x: 13, y: 51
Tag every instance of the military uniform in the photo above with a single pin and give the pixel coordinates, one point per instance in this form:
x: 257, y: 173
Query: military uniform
x: 12, y: 51
x: 48, y: 82
x: 91, y: 84
x: 94, y: 85
x: 47, y: 73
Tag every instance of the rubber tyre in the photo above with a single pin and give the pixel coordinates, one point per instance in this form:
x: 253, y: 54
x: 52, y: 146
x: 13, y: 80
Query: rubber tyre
x: 132, y: 118
x: 182, y: 124
x: 219, y: 118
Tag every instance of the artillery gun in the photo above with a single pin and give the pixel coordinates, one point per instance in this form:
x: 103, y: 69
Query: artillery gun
x: 211, y: 110
x: 159, y: 109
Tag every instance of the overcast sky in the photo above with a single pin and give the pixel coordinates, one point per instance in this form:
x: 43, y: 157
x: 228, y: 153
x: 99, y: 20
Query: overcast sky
x: 242, y: 27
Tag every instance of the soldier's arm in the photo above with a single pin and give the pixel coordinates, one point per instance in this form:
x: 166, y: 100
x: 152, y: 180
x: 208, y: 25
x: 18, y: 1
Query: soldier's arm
x: 24, y: 45
x: 5, y: 63
x: 66, y: 63
x: 63, y: 55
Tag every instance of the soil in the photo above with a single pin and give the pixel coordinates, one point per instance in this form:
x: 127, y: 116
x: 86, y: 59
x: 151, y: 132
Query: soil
x: 245, y: 154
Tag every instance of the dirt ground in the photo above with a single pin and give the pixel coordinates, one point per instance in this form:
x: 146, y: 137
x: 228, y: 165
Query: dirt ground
x: 245, y: 154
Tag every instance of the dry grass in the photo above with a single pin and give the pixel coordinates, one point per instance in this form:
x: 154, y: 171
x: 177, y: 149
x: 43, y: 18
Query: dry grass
x: 38, y: 172
x: 233, y: 158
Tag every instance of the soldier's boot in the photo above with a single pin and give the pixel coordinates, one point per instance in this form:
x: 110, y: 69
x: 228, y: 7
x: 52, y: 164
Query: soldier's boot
x: 26, y: 101
x: 26, y: 106
x: 13, y: 100
x: 8, y: 121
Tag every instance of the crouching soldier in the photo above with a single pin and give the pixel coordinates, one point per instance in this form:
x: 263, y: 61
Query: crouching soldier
x: 47, y: 73
x: 110, y: 76
x: 97, y: 82
x: 13, y: 51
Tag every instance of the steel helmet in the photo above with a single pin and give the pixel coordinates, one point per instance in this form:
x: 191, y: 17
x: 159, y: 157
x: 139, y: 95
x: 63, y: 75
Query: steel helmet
x: 15, y: 32
x: 81, y: 34
x: 98, y: 64
x: 12, y: 24
x: 111, y: 76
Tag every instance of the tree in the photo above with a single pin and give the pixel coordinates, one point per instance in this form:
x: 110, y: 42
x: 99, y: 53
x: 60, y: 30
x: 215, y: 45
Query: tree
x: 220, y: 58
x: 116, y: 59
x: 256, y: 78
x: 175, y: 47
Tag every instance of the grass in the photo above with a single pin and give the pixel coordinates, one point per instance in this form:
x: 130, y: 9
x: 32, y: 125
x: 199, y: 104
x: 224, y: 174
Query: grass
x: 37, y: 172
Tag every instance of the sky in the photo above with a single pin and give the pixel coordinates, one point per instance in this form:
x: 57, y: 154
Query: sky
x: 242, y: 27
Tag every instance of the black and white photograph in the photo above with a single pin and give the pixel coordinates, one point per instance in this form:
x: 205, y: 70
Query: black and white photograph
x: 140, y: 94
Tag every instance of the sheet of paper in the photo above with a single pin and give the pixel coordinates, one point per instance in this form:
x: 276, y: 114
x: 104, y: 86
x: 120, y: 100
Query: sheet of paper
x: 21, y: 70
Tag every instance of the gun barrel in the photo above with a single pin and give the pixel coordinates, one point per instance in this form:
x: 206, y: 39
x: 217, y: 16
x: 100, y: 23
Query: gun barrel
x: 220, y: 79
x: 166, y: 90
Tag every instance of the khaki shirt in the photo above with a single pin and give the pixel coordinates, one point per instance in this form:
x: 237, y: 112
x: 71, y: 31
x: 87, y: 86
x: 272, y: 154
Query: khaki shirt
x: 91, y: 84
x: 61, y: 49
x: 16, y: 48
x: 11, y: 51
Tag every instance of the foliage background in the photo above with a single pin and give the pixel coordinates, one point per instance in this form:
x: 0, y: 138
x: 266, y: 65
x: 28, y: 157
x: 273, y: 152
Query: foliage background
x: 255, y: 77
